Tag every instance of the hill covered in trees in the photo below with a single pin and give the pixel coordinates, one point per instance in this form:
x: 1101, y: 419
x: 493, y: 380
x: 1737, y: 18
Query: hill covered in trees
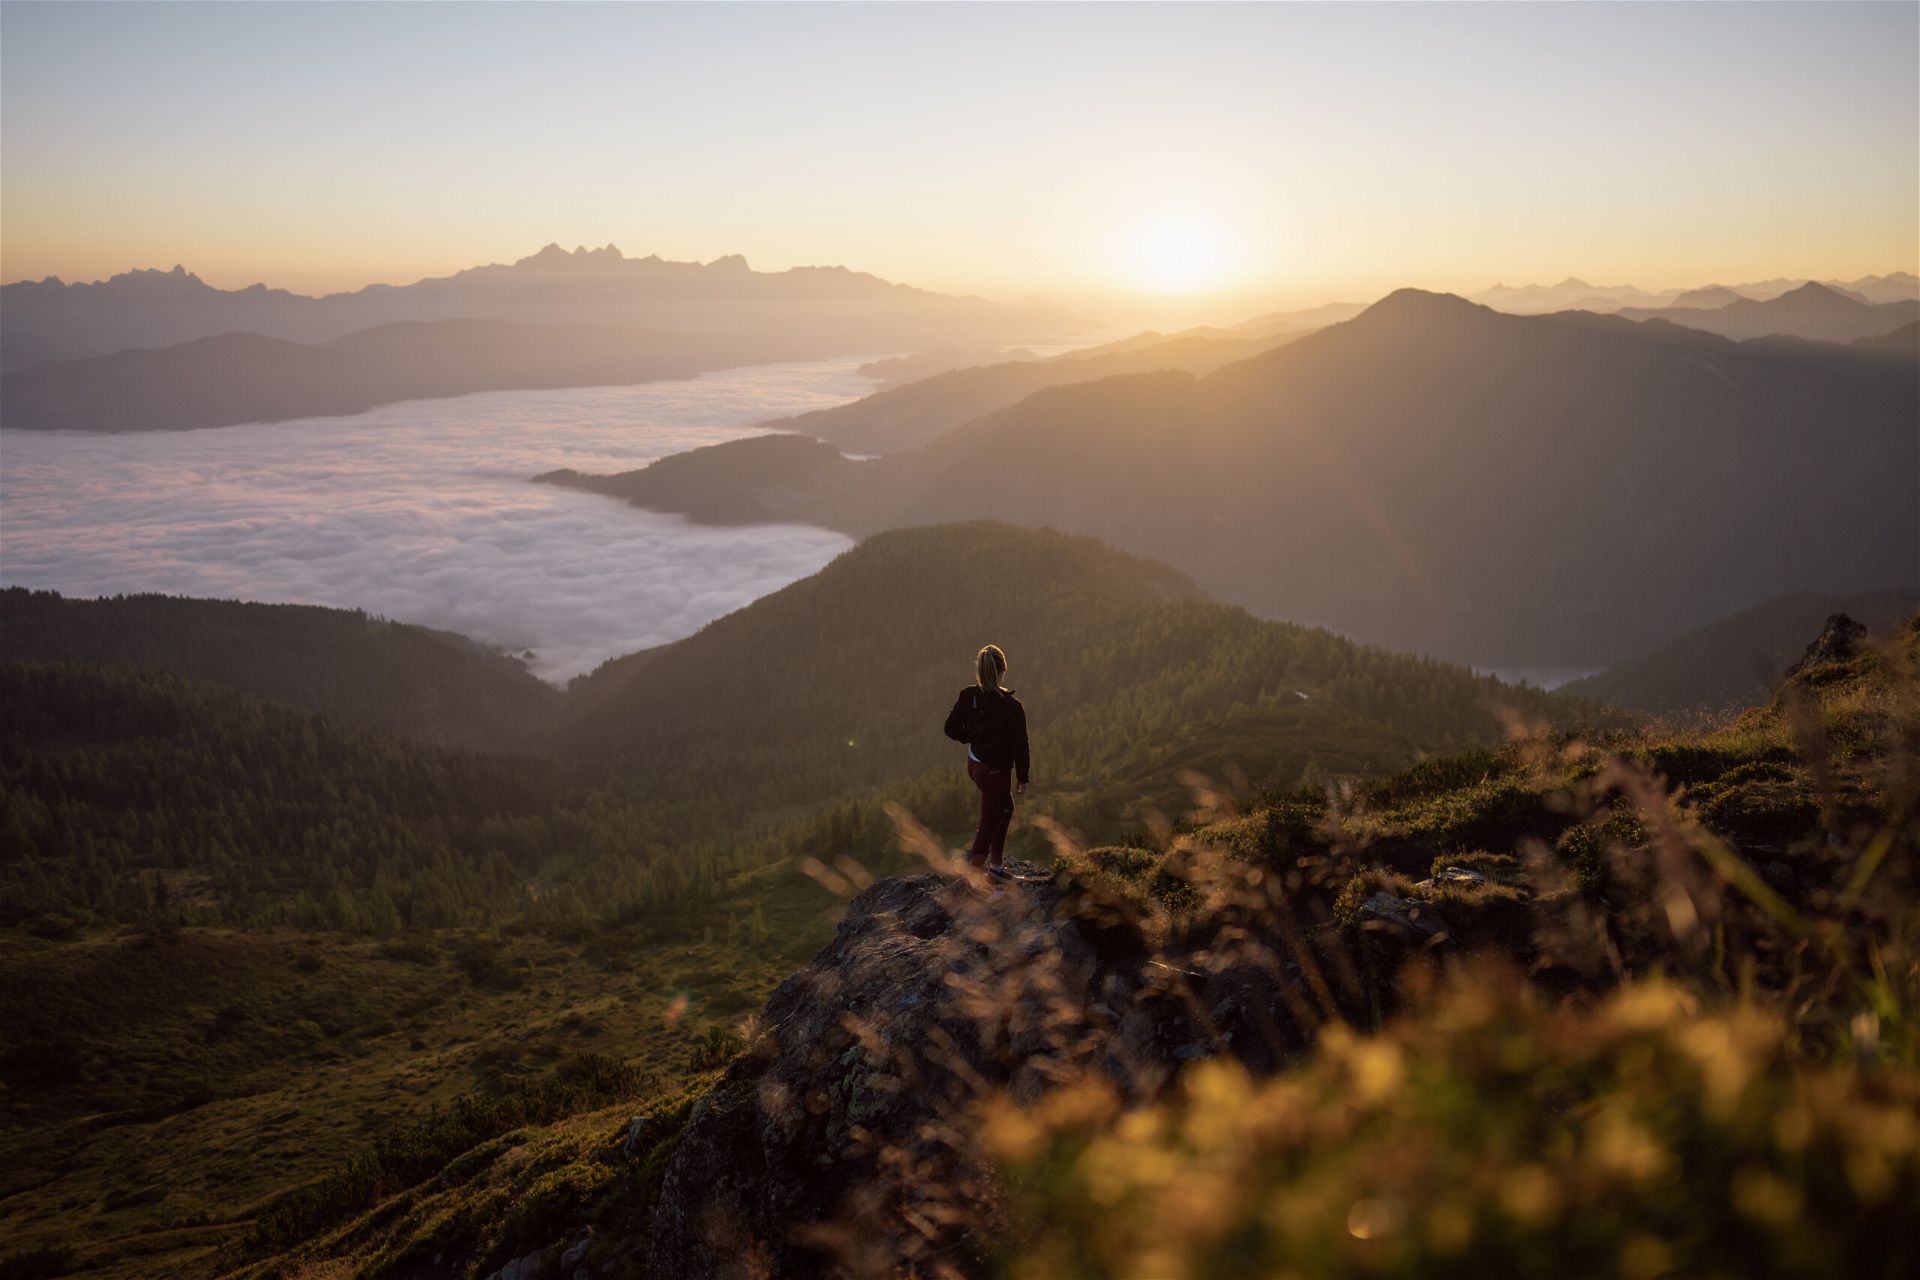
x: 1437, y: 477
x: 341, y: 662
x: 835, y: 683
x: 142, y: 784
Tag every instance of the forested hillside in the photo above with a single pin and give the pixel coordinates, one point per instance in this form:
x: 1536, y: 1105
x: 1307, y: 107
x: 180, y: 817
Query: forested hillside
x: 133, y: 795
x: 839, y: 682
x: 341, y: 662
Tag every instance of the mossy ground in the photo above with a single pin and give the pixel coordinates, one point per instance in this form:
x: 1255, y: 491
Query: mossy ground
x: 160, y: 1090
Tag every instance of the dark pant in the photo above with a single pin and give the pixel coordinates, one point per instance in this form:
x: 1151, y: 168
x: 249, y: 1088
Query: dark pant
x: 996, y: 811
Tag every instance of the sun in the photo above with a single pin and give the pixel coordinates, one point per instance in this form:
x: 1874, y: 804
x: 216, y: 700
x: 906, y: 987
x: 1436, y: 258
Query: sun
x: 1179, y: 251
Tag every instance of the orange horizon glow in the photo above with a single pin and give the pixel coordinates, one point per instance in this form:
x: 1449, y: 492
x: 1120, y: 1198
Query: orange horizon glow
x: 1205, y: 162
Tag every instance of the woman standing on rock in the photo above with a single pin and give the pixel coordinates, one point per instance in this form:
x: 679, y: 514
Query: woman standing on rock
x: 993, y: 724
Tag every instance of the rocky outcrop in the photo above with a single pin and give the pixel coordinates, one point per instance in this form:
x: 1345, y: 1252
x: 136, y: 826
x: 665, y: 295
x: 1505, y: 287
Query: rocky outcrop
x: 843, y: 1140
x: 831, y: 1144
x: 1838, y: 641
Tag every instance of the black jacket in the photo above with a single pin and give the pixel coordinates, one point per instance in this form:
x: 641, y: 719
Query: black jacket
x: 994, y: 725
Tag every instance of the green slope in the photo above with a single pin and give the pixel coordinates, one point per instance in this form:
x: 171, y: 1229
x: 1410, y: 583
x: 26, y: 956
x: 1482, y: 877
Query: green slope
x: 840, y: 682
x: 342, y: 662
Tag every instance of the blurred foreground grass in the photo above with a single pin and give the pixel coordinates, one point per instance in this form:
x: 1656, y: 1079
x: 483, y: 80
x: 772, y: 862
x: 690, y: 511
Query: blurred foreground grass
x: 1488, y: 1133
x: 1643, y: 1005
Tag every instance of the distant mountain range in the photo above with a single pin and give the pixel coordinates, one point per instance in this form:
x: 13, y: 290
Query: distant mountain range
x: 1433, y: 475
x: 1814, y: 311
x: 250, y: 379
x: 827, y: 307
x: 243, y: 377
x: 1574, y: 294
x: 909, y: 415
x: 1571, y: 294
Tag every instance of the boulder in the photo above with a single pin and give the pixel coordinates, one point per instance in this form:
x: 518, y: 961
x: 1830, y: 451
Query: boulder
x: 832, y: 1143
x: 842, y: 1140
x: 542, y: 1264
x: 1409, y: 915
x: 639, y: 1129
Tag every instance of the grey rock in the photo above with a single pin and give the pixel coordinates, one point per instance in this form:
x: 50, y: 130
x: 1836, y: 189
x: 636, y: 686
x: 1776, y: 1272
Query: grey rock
x: 1408, y: 914
x: 638, y: 1130
x: 542, y: 1264
x: 825, y: 1149
x: 1451, y: 877
x: 1838, y: 641
x: 841, y: 1141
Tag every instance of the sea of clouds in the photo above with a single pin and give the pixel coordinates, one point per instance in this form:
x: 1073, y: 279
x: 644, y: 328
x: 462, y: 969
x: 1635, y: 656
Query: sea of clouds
x: 423, y: 512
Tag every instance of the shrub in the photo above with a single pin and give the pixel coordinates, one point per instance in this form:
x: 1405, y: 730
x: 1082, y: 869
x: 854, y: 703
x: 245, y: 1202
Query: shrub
x: 715, y: 1050
x: 556, y: 1202
x: 413, y: 1152
x: 1588, y: 848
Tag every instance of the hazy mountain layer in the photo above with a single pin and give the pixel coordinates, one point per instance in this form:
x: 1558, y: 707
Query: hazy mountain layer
x: 1902, y: 341
x: 1573, y: 294
x: 1734, y: 662
x: 242, y: 377
x: 764, y: 479
x: 1439, y: 477
x: 1811, y: 311
x: 829, y: 307
x: 907, y: 416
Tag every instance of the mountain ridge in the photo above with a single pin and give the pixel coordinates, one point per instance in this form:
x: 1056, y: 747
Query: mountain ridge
x: 235, y: 378
x: 1811, y: 310
x: 1689, y: 437
x: 847, y: 311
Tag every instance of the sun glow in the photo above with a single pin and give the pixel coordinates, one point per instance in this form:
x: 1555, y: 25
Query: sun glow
x: 1180, y: 251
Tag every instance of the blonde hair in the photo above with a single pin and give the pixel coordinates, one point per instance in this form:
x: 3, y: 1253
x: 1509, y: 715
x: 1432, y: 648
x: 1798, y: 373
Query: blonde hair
x: 988, y: 666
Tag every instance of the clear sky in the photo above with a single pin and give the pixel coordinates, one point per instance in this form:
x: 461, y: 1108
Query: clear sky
x: 1243, y: 153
